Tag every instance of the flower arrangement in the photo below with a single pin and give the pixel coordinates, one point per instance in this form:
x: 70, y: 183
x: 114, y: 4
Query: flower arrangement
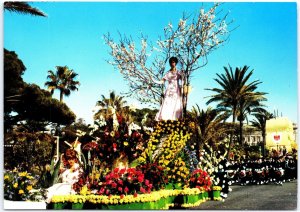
x: 165, y: 146
x: 178, y: 173
x: 115, y: 138
x: 17, y: 185
x: 125, y: 181
x: 155, y: 173
x: 200, y: 179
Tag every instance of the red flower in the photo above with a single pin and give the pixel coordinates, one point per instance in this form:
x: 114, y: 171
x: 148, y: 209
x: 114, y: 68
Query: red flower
x: 122, y: 171
x: 141, y: 178
x: 120, y: 182
x: 120, y: 189
x: 135, y: 194
x: 121, y: 196
x: 126, y: 189
x: 136, y: 135
x: 120, y: 118
x: 114, y: 185
x: 117, y: 134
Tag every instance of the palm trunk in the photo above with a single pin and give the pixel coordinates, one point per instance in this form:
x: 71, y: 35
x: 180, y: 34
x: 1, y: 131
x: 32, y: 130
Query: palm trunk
x: 61, y: 96
x: 231, y: 134
x: 241, y: 132
x: 264, y: 143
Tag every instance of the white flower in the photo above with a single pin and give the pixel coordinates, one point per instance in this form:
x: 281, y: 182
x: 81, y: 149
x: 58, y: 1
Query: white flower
x: 148, y: 129
x: 132, y: 127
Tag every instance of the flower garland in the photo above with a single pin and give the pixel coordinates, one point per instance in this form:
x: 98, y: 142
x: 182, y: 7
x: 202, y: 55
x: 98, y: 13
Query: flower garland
x: 117, y: 199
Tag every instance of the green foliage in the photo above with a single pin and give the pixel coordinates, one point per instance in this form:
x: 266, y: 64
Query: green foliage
x: 13, y: 71
x: 63, y: 80
x: 139, y: 114
x: 236, y: 95
x: 27, y: 150
x: 29, y: 101
x: 38, y: 105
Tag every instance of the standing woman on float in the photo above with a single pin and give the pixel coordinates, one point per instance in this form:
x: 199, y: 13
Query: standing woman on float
x: 171, y: 108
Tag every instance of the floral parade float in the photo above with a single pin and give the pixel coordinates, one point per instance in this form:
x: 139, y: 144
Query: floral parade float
x: 132, y: 167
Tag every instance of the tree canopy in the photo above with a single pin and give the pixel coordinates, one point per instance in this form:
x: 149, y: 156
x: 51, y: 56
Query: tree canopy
x: 29, y: 101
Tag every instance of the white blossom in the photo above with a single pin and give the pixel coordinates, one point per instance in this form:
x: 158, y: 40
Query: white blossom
x: 132, y: 127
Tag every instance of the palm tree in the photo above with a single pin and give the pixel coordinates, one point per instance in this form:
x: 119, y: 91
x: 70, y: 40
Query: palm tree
x: 248, y: 104
x: 210, y: 126
x: 234, y: 87
x: 260, y: 124
x: 23, y: 8
x: 63, y: 80
x: 114, y: 101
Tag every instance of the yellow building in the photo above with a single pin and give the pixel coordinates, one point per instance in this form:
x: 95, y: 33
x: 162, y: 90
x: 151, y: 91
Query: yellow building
x: 280, y: 134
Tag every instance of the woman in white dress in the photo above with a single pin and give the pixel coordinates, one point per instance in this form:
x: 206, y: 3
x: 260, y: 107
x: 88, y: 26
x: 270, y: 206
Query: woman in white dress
x: 69, y: 176
x: 171, y: 108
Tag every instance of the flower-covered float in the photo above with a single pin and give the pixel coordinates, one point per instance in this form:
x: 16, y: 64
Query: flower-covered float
x: 132, y: 167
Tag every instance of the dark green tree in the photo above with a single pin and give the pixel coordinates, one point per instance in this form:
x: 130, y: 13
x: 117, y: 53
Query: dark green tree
x: 63, y: 80
x: 210, y: 127
x: 248, y: 104
x: 259, y: 123
x: 235, y: 87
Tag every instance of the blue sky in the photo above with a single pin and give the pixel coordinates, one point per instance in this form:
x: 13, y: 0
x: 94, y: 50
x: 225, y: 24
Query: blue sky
x: 266, y: 40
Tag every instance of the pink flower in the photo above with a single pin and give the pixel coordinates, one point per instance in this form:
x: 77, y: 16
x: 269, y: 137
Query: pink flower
x: 120, y: 182
x: 120, y: 189
x: 102, y: 190
x: 142, y: 190
x: 146, y: 182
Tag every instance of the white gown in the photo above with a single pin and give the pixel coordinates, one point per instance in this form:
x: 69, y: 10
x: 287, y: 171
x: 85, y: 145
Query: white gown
x: 68, y: 179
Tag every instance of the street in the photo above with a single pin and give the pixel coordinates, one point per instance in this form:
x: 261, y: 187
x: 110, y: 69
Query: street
x: 257, y: 197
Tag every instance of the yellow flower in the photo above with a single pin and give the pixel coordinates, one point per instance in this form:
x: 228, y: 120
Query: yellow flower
x: 21, y: 191
x: 112, y: 133
x: 29, y: 187
x: 6, y: 177
x: 125, y: 143
x: 15, y: 185
x: 84, y: 190
x: 22, y: 174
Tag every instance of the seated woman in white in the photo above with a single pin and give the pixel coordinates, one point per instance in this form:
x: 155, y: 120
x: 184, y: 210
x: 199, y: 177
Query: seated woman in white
x: 69, y: 176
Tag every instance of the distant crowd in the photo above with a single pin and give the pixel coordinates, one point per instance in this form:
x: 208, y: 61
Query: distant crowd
x: 262, y: 171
